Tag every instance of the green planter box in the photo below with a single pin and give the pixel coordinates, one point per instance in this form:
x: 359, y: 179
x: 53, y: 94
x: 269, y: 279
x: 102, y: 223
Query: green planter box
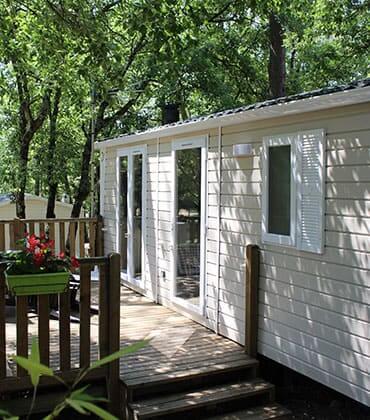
x: 37, y: 284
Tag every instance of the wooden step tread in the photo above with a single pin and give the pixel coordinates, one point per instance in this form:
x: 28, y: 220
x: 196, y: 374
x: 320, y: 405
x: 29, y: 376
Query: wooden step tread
x: 186, y: 371
x: 266, y: 412
x: 184, y: 401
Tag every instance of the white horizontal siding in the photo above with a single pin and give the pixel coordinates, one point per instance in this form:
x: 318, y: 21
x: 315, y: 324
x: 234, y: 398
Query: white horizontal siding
x: 313, y: 309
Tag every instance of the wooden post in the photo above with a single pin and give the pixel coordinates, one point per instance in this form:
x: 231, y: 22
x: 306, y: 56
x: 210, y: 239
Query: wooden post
x: 3, y: 362
x: 17, y: 229
x: 22, y: 331
x: 104, y: 309
x: 99, y: 241
x: 251, y: 300
x: 114, y: 298
x: 85, y: 321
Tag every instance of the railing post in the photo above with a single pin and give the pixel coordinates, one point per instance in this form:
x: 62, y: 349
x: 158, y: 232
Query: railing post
x: 251, y: 300
x: 3, y: 362
x: 99, y: 240
x: 17, y: 230
x: 114, y: 306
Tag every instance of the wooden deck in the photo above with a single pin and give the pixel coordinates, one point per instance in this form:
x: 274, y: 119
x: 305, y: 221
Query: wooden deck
x: 185, y: 370
x: 178, y: 345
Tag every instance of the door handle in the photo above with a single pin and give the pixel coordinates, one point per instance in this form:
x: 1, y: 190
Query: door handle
x: 126, y: 235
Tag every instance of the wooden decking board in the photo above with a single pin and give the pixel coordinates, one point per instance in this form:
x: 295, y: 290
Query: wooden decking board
x: 179, y: 346
x: 189, y: 400
x: 147, y: 361
x: 158, y: 369
x: 266, y: 412
x: 174, y: 376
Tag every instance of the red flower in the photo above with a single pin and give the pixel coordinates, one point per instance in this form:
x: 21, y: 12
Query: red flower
x: 62, y: 255
x: 38, y: 259
x: 33, y: 242
x: 74, y: 262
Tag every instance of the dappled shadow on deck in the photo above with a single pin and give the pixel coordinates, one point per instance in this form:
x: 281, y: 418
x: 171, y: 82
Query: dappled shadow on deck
x: 177, y: 345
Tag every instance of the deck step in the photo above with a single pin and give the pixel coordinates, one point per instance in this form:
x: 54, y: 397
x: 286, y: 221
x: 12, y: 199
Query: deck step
x: 189, y: 376
x: 265, y: 412
x: 181, y: 403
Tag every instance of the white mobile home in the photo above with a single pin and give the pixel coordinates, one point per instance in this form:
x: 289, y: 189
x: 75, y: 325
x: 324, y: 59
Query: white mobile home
x: 35, y: 207
x: 292, y: 175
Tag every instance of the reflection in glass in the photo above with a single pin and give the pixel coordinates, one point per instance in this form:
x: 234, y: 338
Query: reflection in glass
x: 123, y: 212
x: 188, y: 223
x: 279, y: 190
x: 137, y: 212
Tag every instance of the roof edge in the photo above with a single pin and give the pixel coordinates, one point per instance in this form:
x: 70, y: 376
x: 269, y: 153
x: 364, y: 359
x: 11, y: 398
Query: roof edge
x: 284, y: 108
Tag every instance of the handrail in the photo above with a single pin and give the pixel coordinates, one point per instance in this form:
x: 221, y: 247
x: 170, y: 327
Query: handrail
x: 47, y: 220
x: 78, y: 236
x: 109, y: 329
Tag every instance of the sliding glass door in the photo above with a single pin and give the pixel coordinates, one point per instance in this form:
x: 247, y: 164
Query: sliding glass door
x: 131, y: 221
x: 189, y: 207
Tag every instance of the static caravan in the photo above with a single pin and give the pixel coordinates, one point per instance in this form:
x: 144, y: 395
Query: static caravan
x: 292, y: 175
x: 35, y: 207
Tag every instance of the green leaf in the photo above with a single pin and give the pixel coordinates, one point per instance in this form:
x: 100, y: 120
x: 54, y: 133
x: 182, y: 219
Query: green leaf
x: 76, y: 405
x: 35, y: 357
x: 6, y: 415
x: 34, y: 369
x: 120, y: 353
x: 79, y: 394
x: 103, y: 414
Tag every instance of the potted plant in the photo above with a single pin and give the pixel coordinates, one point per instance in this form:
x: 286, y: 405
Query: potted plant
x: 35, y: 269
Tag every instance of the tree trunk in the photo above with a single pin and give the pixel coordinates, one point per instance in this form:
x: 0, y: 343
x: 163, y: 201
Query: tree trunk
x: 52, y: 183
x: 276, y: 67
x: 28, y: 128
x: 20, y: 204
x: 50, y: 210
x: 84, y: 185
x: 100, y: 124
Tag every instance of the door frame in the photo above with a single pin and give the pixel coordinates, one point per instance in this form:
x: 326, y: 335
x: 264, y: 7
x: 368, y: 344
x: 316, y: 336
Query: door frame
x: 183, y: 144
x: 130, y: 152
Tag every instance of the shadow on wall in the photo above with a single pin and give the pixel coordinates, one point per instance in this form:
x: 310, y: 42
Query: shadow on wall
x: 312, y: 307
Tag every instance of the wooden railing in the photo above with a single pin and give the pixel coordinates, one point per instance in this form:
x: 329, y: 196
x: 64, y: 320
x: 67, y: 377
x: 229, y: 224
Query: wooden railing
x: 81, y: 237
x: 251, y: 299
x: 105, y: 342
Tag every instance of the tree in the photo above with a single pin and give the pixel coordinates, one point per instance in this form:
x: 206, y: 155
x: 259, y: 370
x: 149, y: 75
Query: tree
x: 137, y: 55
x: 276, y: 67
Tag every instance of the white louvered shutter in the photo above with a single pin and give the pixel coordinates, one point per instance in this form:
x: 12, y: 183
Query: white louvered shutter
x: 311, y: 191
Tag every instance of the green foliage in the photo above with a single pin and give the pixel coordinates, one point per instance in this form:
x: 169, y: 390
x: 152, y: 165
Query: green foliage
x: 32, y: 365
x: 205, y: 55
x: 76, y: 398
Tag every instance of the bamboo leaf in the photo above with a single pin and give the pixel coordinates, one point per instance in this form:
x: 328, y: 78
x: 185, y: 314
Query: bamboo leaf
x: 81, y: 395
x: 6, y: 415
x: 103, y: 414
x: 35, y: 357
x: 34, y: 369
x: 120, y: 353
x: 76, y: 405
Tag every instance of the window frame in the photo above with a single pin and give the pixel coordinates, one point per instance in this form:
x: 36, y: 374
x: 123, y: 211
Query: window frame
x: 275, y: 141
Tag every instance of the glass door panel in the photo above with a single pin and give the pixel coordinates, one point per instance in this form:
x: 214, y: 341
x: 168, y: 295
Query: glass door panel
x: 123, y: 212
x: 131, y: 214
x: 137, y: 214
x: 188, y: 224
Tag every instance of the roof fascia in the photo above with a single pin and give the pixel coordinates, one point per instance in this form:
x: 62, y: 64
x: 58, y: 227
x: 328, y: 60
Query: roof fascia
x: 315, y: 103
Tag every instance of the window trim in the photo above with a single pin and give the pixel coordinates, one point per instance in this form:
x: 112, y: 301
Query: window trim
x: 273, y: 141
